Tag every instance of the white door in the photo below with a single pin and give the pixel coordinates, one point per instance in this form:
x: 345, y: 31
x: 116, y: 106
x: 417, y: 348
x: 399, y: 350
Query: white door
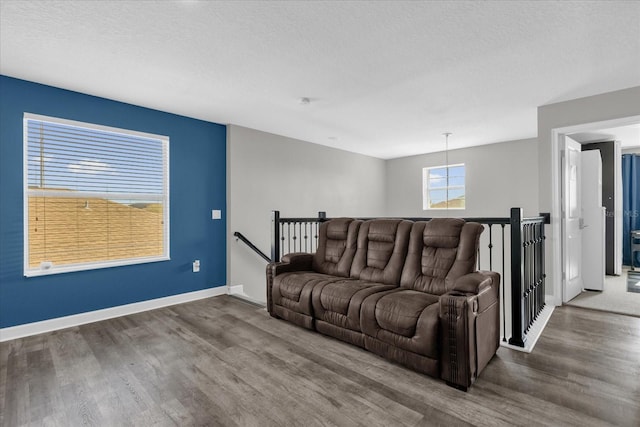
x: 593, y: 218
x: 572, y: 219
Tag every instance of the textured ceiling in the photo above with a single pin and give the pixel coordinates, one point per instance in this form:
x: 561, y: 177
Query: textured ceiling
x: 384, y: 78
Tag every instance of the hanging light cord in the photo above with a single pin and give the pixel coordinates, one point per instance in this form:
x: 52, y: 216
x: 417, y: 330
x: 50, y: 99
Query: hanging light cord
x: 446, y: 166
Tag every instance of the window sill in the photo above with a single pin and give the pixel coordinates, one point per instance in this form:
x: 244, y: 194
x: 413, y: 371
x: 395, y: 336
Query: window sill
x: 93, y: 266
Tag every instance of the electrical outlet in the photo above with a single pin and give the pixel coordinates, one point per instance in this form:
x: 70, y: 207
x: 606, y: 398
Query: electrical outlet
x: 196, y: 266
x: 216, y: 214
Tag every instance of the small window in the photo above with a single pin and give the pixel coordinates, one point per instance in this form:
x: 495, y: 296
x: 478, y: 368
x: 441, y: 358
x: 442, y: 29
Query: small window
x: 443, y: 187
x: 94, y: 196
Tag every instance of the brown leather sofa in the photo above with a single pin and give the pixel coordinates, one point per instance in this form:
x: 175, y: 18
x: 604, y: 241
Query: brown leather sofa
x: 404, y: 290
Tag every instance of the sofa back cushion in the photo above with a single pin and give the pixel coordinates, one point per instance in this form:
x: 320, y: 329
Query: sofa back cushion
x: 381, y: 251
x: 440, y: 251
x: 336, y: 246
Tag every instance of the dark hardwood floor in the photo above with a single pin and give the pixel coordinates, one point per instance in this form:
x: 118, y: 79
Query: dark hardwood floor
x: 221, y: 361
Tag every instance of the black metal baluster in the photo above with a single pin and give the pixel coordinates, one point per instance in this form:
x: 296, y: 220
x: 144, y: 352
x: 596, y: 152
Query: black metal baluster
x: 534, y: 248
x: 534, y: 261
x: 306, y: 232
x: 530, y: 281
x: 504, y: 296
x: 525, y: 247
x: 540, y: 263
x: 283, y: 238
x: 543, y: 272
x: 525, y: 279
x: 539, y: 266
x: 532, y: 275
x: 490, y: 248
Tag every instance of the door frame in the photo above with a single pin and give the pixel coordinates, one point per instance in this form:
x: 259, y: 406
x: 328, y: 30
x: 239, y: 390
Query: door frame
x: 570, y: 144
x: 557, y: 136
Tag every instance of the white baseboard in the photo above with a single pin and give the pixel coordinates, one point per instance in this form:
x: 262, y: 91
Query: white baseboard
x: 535, y: 330
x: 236, y: 289
x: 35, y: 328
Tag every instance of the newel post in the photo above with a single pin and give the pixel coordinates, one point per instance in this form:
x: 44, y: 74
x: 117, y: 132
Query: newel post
x: 275, y: 236
x: 517, y: 274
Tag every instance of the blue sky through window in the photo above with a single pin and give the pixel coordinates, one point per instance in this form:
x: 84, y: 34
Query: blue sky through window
x: 438, y: 184
x: 67, y: 157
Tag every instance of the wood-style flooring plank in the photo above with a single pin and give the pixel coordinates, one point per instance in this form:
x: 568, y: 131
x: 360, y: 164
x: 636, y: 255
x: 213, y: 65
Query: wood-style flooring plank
x: 223, y: 362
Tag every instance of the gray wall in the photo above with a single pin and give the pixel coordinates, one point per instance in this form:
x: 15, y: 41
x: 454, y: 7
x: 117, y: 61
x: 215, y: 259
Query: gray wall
x: 269, y: 172
x: 498, y: 177
x: 607, y: 106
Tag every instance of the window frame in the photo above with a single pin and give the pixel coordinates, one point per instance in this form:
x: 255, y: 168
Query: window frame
x: 93, y: 265
x: 426, y: 200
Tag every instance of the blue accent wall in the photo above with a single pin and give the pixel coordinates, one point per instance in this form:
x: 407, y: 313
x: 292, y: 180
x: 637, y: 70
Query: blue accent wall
x: 197, y: 185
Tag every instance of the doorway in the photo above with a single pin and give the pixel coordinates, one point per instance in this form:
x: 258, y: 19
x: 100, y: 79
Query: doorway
x: 588, y: 132
x: 616, y: 297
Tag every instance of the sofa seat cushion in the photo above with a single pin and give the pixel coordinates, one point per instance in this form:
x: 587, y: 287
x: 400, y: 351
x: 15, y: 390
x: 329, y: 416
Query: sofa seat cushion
x: 338, y: 302
x: 293, y: 290
x: 403, y: 318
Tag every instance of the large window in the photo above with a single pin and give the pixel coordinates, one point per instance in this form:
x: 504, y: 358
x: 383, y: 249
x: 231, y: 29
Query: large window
x: 93, y: 196
x: 443, y: 187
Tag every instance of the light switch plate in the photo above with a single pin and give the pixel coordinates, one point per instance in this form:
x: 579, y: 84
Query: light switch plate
x: 216, y: 214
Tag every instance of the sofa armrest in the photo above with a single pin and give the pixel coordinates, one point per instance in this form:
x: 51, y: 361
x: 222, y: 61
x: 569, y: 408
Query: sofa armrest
x: 298, y: 261
x: 473, y: 282
x: 470, y: 327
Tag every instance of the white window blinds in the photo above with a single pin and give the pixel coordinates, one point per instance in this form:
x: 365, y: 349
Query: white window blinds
x: 94, y: 196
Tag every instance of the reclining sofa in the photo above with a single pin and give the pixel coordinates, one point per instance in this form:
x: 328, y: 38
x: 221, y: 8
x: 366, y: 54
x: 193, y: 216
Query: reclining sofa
x: 404, y: 290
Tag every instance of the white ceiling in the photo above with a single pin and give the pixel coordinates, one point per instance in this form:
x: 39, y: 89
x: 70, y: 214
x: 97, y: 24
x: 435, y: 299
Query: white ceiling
x: 385, y: 78
x: 629, y: 136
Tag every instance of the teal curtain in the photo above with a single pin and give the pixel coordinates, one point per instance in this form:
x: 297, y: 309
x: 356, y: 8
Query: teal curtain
x: 630, y: 204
